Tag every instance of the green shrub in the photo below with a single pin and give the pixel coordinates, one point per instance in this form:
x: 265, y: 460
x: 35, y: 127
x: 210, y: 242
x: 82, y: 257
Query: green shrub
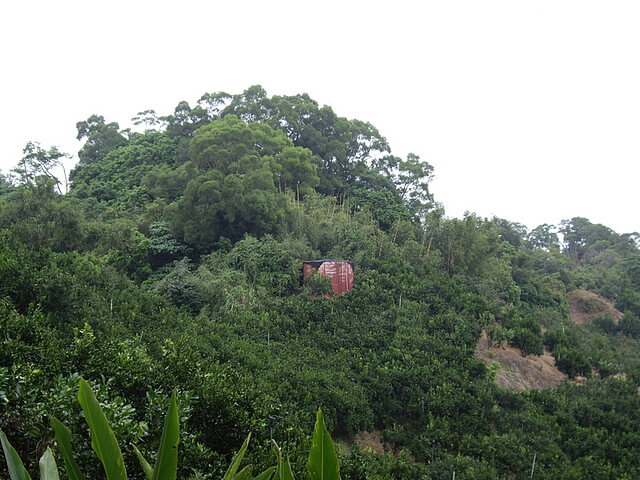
x: 527, y: 341
x: 630, y: 325
x: 605, y: 323
x: 322, y: 463
x: 572, y: 361
x: 554, y: 338
x: 319, y: 285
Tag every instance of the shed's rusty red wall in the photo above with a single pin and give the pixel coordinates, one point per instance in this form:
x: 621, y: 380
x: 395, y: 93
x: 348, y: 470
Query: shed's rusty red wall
x: 340, y: 274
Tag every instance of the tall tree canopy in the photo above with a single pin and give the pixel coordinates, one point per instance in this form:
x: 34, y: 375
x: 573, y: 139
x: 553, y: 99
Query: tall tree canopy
x: 341, y: 145
x: 242, y: 172
x: 117, y: 179
x: 38, y: 162
x: 100, y: 138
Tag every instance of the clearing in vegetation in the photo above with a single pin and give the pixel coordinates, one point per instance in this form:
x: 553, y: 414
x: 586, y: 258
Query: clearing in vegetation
x: 585, y: 306
x: 518, y: 372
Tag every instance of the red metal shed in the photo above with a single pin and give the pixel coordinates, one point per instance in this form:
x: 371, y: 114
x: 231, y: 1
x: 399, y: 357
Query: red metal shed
x: 338, y: 271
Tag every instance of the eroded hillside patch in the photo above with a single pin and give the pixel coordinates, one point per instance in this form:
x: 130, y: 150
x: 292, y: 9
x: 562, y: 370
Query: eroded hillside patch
x: 516, y: 371
x: 585, y: 306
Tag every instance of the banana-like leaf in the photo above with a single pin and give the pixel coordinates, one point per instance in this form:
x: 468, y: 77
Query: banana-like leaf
x: 48, y: 467
x: 14, y: 464
x: 323, y: 461
x: 63, y: 439
x: 237, y: 459
x: 146, y: 467
x: 267, y: 474
x: 245, y: 473
x: 103, y: 441
x: 283, y: 469
x: 166, y: 466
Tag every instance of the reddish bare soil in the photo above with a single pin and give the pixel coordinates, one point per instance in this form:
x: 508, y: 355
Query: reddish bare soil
x: 518, y: 372
x: 585, y: 306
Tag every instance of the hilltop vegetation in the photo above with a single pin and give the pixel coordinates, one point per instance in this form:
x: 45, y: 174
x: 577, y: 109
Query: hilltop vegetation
x: 175, y: 261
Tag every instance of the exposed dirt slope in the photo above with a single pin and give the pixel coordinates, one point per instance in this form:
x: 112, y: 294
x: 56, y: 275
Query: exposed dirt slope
x: 371, y: 441
x: 585, y: 306
x: 518, y: 372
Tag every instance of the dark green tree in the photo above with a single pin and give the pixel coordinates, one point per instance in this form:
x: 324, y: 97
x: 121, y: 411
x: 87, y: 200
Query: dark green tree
x: 100, y: 138
x: 544, y: 237
x: 214, y: 103
x: 233, y: 147
x: 150, y: 119
x: 6, y: 184
x: 186, y: 120
x: 341, y: 145
x: 41, y: 218
x: 412, y: 180
x: 214, y: 206
x: 579, y: 234
x: 117, y: 180
x: 512, y: 232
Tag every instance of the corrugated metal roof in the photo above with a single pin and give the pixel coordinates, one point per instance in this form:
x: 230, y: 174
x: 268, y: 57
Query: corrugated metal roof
x: 319, y: 262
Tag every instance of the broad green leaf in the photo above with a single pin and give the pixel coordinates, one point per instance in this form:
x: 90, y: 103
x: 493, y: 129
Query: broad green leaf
x: 146, y: 467
x: 103, y: 441
x: 267, y: 474
x: 166, y: 466
x: 63, y: 439
x: 245, y: 473
x: 323, y: 461
x: 237, y: 459
x: 48, y: 467
x: 284, y: 470
x: 14, y: 464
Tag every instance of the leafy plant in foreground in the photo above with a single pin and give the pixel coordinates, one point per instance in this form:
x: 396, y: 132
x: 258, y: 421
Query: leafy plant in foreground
x: 322, y: 463
x: 48, y: 469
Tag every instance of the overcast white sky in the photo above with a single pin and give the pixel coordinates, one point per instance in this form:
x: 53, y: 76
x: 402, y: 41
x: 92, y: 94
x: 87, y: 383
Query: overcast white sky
x: 528, y: 110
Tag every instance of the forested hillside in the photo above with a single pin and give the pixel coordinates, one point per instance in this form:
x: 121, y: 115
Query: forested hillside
x: 174, y: 260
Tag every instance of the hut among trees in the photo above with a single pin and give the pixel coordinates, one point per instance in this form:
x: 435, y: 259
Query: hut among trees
x: 339, y: 273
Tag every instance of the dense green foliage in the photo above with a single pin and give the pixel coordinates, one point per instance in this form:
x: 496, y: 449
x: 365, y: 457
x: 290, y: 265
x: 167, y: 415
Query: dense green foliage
x: 322, y: 463
x: 175, y: 262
